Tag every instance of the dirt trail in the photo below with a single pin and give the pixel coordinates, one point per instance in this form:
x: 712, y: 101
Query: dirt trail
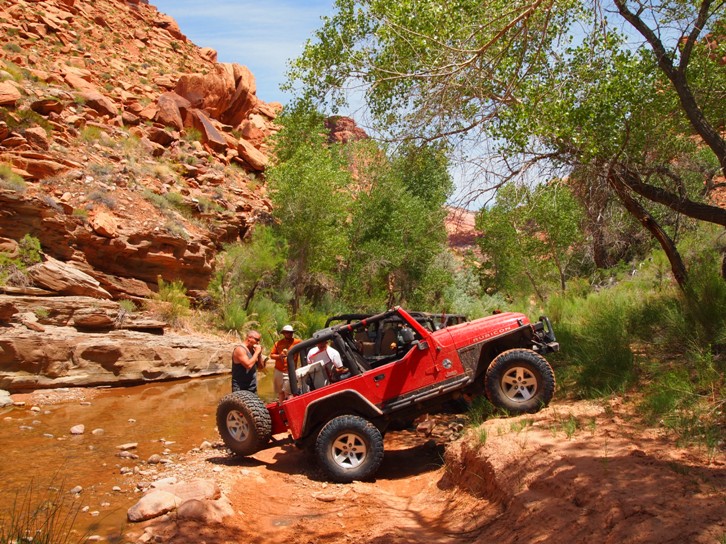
x: 575, y: 472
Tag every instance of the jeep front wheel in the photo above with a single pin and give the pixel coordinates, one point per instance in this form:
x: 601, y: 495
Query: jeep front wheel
x: 243, y: 422
x: 349, y: 448
x: 520, y: 381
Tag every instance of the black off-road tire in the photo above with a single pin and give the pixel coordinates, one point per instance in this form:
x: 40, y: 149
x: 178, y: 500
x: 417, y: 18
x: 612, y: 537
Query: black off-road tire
x: 243, y: 422
x: 349, y: 448
x: 520, y: 381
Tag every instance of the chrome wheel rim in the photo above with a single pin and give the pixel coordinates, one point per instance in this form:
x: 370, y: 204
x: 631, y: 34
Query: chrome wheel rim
x: 349, y: 450
x: 237, y: 425
x: 519, y: 384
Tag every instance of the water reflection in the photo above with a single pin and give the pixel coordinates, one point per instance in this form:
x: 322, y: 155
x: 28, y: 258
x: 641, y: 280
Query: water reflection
x: 39, y: 451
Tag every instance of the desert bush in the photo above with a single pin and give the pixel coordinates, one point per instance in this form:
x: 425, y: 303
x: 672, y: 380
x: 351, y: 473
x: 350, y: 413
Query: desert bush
x: 170, y: 302
x: 10, y: 180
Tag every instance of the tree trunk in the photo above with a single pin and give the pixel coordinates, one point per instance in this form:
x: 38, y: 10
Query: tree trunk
x: 649, y: 222
x: 677, y: 75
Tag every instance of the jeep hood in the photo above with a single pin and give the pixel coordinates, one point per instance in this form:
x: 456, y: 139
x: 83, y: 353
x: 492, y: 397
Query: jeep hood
x: 480, y: 330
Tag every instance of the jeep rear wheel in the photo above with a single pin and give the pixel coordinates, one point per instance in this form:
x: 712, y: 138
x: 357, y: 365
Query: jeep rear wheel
x: 243, y: 422
x: 520, y: 381
x: 349, y: 448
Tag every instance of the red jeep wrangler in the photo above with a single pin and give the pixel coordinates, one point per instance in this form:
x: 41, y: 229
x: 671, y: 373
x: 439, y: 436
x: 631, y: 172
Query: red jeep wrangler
x: 409, y: 371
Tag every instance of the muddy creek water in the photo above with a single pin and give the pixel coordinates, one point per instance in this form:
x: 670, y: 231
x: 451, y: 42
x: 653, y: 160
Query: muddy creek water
x: 40, y: 454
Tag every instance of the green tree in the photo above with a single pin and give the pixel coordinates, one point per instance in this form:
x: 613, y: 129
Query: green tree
x: 310, y: 192
x: 397, y: 227
x: 245, y: 268
x: 532, y: 237
x: 531, y: 86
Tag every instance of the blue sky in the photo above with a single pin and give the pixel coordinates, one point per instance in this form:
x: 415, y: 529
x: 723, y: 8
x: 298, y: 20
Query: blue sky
x: 260, y: 35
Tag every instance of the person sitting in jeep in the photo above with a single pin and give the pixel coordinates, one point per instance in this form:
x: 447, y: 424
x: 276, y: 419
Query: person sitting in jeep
x: 330, y: 359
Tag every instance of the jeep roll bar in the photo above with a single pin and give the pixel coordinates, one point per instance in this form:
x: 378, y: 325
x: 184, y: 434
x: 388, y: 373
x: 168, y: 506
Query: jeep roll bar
x: 333, y: 333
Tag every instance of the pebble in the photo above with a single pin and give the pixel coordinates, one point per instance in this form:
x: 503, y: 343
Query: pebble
x: 128, y: 446
x: 132, y: 420
x: 126, y: 470
x: 154, y: 459
x: 35, y: 409
x: 76, y: 490
x: 26, y: 428
x: 85, y: 403
x: 19, y: 403
x: 97, y: 431
x: 127, y: 455
x: 78, y: 429
x: 116, y: 488
x: 48, y: 435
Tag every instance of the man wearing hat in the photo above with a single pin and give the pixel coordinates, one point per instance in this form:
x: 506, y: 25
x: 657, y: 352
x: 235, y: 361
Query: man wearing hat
x: 278, y: 354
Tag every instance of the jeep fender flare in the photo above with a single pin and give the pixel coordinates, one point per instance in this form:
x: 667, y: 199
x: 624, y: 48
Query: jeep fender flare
x: 346, y: 402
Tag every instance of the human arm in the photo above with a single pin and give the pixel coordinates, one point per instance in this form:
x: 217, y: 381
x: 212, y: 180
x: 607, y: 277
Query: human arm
x: 336, y: 358
x: 240, y: 356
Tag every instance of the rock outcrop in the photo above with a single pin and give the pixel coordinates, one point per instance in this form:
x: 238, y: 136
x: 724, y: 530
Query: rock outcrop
x: 58, y: 341
x: 124, y: 131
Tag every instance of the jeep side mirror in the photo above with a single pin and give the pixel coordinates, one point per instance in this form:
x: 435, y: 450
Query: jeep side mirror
x: 422, y: 345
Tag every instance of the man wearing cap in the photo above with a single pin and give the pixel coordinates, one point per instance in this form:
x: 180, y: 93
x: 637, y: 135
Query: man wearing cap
x: 281, y: 380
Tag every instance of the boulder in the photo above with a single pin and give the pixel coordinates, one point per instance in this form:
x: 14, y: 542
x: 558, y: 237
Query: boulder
x: 153, y: 505
x: 9, y: 94
x: 252, y: 156
x: 47, y: 105
x: 244, y: 99
x: 205, y: 511
x: 37, y: 137
x: 210, y: 135
x: 172, y: 110
x: 212, y: 92
x: 5, y: 399
x: 104, y: 224
x: 65, y: 279
x: 99, y: 103
x: 194, y: 489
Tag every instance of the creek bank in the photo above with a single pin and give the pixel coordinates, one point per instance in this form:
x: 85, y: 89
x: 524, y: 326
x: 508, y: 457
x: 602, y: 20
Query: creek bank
x: 574, y: 472
x: 56, y: 341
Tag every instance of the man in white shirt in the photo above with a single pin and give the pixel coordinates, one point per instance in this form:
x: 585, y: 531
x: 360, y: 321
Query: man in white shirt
x: 330, y: 359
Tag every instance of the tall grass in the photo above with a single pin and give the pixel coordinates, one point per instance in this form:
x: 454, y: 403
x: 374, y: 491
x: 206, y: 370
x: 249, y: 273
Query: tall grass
x: 643, y: 332
x: 41, y: 518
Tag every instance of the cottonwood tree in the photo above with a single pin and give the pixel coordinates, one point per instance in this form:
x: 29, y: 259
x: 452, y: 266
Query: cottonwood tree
x: 397, y: 228
x: 612, y: 93
x: 310, y: 192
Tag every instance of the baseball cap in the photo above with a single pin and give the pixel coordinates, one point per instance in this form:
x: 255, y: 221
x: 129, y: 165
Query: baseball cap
x: 287, y: 328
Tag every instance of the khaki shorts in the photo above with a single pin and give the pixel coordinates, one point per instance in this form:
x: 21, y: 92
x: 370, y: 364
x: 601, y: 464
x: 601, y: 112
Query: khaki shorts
x: 281, y: 382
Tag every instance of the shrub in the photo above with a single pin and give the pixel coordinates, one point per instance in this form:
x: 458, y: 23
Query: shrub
x: 30, y: 250
x: 103, y: 198
x: 91, y: 134
x: 171, y: 302
x: 10, y: 180
x: 12, y: 48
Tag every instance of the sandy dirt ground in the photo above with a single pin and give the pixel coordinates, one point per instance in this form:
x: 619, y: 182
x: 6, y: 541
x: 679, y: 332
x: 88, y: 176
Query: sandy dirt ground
x: 575, y: 472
